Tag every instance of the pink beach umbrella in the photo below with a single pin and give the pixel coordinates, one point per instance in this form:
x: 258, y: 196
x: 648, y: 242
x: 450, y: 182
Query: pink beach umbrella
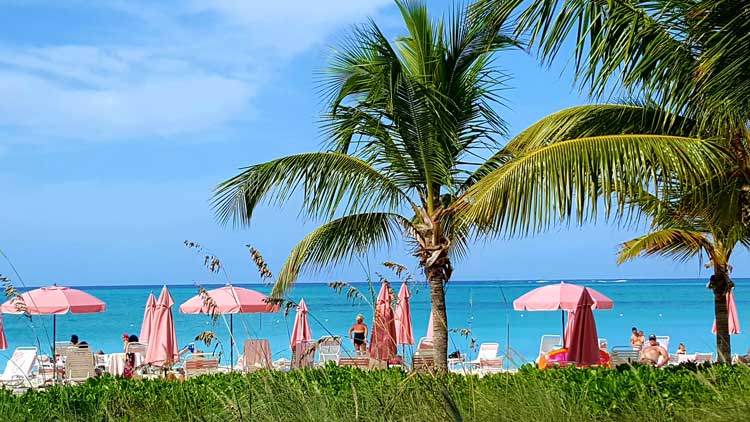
x: 230, y: 300
x: 3, y: 341
x: 53, y: 300
x: 404, y: 332
x: 301, y: 333
x: 383, y: 338
x: 430, y: 328
x: 162, y: 347
x: 734, y: 320
x: 569, y: 328
x: 584, y: 341
x: 148, y: 318
x: 562, y: 297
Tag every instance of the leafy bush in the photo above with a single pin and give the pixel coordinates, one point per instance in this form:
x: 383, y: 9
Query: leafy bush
x: 348, y: 394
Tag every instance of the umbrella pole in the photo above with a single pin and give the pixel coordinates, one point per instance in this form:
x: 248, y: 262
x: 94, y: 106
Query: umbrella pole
x: 54, y: 337
x: 562, y: 314
x: 231, y: 342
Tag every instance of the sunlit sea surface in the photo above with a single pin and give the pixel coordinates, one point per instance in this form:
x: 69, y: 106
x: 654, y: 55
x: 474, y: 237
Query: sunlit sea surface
x: 679, y: 308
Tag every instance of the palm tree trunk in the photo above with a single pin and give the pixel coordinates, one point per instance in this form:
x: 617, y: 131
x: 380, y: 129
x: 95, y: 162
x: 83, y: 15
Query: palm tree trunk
x: 439, y: 318
x: 721, y: 284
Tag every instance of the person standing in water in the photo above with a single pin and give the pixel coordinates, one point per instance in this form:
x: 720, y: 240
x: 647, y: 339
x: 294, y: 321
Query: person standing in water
x: 358, y: 334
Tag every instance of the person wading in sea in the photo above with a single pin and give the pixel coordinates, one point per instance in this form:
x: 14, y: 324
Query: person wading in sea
x: 358, y: 334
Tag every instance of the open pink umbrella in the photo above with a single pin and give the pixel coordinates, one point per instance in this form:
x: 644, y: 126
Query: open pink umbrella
x: 53, y: 300
x: 301, y: 333
x: 383, y: 338
x: 162, y: 347
x: 3, y: 341
x: 148, y: 318
x: 562, y: 297
x: 734, y: 320
x: 404, y: 332
x: 229, y: 300
x: 584, y: 342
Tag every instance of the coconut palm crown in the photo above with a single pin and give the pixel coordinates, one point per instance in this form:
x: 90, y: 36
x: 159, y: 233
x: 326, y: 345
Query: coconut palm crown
x: 407, y: 127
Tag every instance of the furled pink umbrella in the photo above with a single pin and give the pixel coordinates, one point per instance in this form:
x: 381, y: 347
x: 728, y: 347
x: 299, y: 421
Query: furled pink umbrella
x: 562, y: 297
x: 569, y: 328
x: 734, y: 320
x: 3, y: 341
x: 229, y: 300
x: 430, y: 328
x: 301, y: 333
x: 383, y: 338
x: 148, y: 318
x: 404, y: 332
x: 584, y: 343
x: 162, y: 347
x: 53, y: 300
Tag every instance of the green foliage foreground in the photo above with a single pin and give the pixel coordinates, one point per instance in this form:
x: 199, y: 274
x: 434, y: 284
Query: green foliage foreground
x: 333, y: 394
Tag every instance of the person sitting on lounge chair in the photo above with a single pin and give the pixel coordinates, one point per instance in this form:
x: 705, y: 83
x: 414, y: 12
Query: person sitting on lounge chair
x: 681, y: 349
x: 653, y: 354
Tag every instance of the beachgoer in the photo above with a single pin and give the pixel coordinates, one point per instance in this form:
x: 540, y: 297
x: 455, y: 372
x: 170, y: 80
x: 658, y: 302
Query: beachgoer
x: 125, y: 342
x: 641, y: 338
x: 358, y: 334
x: 74, y: 340
x: 133, y: 338
x: 653, y: 354
x: 83, y: 345
x: 636, y: 341
x: 681, y: 349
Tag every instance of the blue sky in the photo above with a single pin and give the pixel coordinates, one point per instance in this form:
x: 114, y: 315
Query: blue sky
x: 119, y: 117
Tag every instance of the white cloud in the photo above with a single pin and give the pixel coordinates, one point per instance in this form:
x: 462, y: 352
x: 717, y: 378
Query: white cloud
x: 195, y: 68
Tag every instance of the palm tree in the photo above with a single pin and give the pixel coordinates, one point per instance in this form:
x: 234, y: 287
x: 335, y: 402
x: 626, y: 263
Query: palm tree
x: 689, y: 60
x: 408, y: 123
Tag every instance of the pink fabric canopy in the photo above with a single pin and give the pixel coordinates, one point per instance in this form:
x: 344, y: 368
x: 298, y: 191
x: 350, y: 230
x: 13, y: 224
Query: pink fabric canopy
x: 230, y: 300
x: 54, y: 300
x: 162, y: 347
x: 430, y: 328
x: 569, y: 328
x: 584, y: 341
x: 301, y: 332
x: 561, y: 296
x: 148, y: 318
x: 383, y: 338
x: 734, y: 320
x: 3, y: 340
x: 404, y: 332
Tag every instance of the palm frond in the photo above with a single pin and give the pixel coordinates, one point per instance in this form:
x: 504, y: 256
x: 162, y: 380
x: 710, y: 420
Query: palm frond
x: 329, y: 182
x: 680, y: 244
x: 339, y: 241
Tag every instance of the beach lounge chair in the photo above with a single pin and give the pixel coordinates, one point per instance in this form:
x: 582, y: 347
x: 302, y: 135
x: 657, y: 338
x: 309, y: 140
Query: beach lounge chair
x: 200, y: 365
x: 663, y: 341
x: 423, y: 362
x: 257, y: 355
x: 329, y: 350
x: 19, y: 369
x: 361, y: 362
x: 424, y: 346
x: 487, y: 351
x: 79, y: 365
x: 603, y: 344
x: 620, y: 355
x: 549, y: 342
x: 703, y: 357
x: 303, y: 355
x: 490, y: 366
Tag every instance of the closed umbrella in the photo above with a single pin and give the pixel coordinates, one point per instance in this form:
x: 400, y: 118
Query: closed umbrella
x: 734, y: 320
x: 148, y: 318
x: 430, y: 328
x: 162, y: 347
x: 3, y: 341
x: 584, y: 341
x: 53, y: 300
x: 229, y: 300
x: 383, y: 338
x: 301, y: 333
x: 562, y: 297
x: 404, y: 332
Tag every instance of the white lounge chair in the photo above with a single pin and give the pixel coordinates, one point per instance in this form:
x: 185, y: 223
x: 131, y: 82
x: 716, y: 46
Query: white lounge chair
x: 329, y: 350
x: 663, y: 341
x: 487, y: 351
x: 198, y: 364
x: 603, y: 344
x: 79, y: 365
x: 549, y: 343
x: 19, y: 369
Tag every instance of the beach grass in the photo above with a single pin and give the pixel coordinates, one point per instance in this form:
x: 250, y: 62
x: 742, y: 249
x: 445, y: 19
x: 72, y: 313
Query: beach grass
x: 347, y: 394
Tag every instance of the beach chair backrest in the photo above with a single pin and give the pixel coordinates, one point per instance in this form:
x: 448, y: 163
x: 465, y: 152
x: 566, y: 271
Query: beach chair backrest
x: 488, y: 351
x: 549, y: 343
x: 20, y: 365
x: 329, y: 349
x: 79, y: 364
x: 257, y: 354
x: 425, y: 345
x: 200, y: 366
x: 685, y: 358
x: 139, y: 350
x: 603, y: 344
x: 704, y: 357
x: 663, y: 342
x: 303, y: 355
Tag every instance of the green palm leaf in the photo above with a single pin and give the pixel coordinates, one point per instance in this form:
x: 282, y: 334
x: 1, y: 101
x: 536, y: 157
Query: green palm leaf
x: 680, y: 244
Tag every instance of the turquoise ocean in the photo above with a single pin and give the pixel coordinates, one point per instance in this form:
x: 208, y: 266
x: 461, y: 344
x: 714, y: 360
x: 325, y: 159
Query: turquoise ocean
x: 679, y: 308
